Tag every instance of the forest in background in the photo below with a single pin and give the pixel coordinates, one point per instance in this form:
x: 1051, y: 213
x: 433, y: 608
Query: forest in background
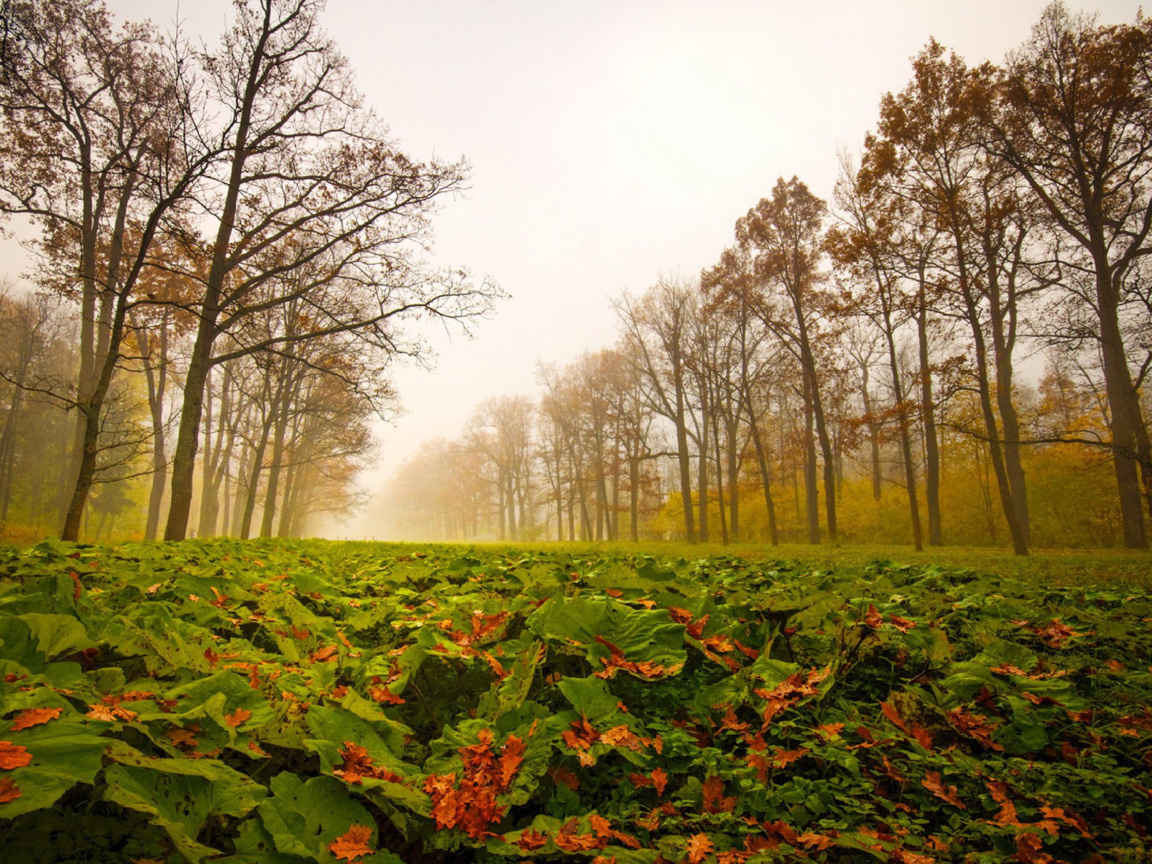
x: 952, y: 352
x: 229, y: 259
x: 229, y: 255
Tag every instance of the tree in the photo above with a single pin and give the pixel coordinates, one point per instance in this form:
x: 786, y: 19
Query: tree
x: 928, y: 146
x: 307, y: 192
x: 657, y: 341
x: 90, y: 124
x: 782, y: 235
x: 1072, y: 119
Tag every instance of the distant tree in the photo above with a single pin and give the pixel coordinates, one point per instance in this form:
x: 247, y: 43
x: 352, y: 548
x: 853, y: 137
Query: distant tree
x: 657, y: 340
x: 782, y: 236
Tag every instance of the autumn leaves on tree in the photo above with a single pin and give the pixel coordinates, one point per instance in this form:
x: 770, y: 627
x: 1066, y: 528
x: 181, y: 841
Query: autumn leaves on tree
x: 998, y: 217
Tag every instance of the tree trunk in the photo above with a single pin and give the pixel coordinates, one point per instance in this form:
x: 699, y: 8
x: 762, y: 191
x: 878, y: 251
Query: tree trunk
x: 928, y: 422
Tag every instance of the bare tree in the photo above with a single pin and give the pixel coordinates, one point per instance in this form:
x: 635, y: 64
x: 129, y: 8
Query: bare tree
x: 307, y: 181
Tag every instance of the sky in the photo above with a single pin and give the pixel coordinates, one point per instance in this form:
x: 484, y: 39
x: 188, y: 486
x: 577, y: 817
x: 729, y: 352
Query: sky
x: 611, y: 142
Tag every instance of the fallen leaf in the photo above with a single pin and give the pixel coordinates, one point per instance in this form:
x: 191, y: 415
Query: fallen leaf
x: 13, y: 756
x: 352, y: 844
x: 237, y: 717
x: 9, y: 791
x: 699, y: 847
x: 34, y: 717
x: 935, y: 785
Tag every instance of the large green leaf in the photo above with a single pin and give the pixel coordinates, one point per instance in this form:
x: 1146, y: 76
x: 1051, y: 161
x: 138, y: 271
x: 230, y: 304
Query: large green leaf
x: 180, y: 795
x: 642, y: 635
x: 65, y: 751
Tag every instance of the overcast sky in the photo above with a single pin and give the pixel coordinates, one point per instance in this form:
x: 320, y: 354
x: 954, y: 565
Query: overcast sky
x: 612, y: 141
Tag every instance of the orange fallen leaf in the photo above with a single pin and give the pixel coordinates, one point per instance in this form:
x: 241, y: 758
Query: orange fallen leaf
x: 352, y: 844
x: 935, y: 785
x: 237, y: 717
x: 531, y: 840
x: 13, y: 756
x: 34, y: 717
x: 9, y: 791
x: 699, y: 847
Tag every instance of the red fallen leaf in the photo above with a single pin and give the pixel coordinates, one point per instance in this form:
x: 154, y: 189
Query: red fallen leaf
x: 781, y: 830
x: 658, y: 744
x: 531, y: 840
x: 901, y: 624
x: 237, y: 717
x: 323, y: 655
x: 695, y: 629
x: 719, y: 643
x: 815, y: 841
x: 830, y: 730
x: 13, y: 756
x: 731, y: 721
x: 212, y: 657
x: 762, y: 766
x: 873, y: 619
x: 933, y: 784
x: 562, y: 776
x: 892, y: 714
x: 891, y: 771
x: 700, y: 846
x: 568, y: 840
x: 9, y: 791
x: 998, y: 790
x: 30, y: 717
x: 614, y: 592
x: 181, y: 737
x: 358, y: 764
x: 750, y: 653
x: 623, y: 736
x: 783, y: 757
x: 679, y: 614
x: 510, y: 758
x: 579, y: 738
x: 1062, y: 815
x: 604, y: 830
x: 1040, y: 701
x: 659, y: 780
x: 1009, y: 669
x: 922, y: 735
x: 77, y: 589
x: 903, y: 856
x: 974, y: 726
x: 1028, y: 849
x: 383, y: 694
x: 714, y: 800
x: 101, y: 712
x: 352, y: 844
x: 1080, y: 716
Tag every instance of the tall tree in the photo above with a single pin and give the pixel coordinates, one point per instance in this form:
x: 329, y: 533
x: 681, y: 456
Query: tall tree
x: 783, y: 236
x: 91, y: 151
x: 657, y: 340
x: 1073, y: 119
x: 306, y: 180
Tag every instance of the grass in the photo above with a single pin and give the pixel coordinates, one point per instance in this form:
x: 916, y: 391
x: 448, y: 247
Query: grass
x: 1042, y: 567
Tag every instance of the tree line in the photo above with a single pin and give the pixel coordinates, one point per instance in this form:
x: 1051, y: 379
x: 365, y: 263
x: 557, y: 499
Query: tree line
x: 853, y: 371
x: 228, y: 255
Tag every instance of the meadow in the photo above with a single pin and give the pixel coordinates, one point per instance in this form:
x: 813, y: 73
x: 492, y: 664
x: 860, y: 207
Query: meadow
x: 294, y: 701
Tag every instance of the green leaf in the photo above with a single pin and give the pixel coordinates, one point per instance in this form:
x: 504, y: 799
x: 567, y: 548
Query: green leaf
x: 180, y: 795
